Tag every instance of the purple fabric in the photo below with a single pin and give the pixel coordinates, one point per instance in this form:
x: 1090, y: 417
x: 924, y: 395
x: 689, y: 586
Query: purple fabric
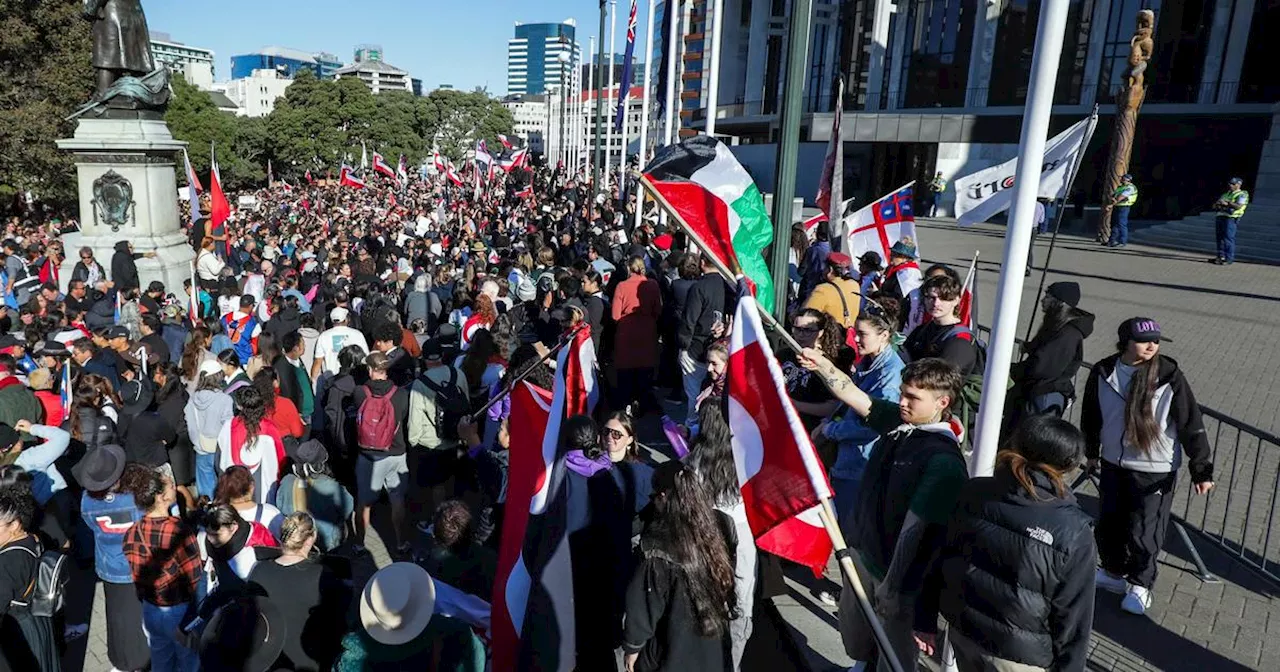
x: 581, y: 464
x: 674, y: 437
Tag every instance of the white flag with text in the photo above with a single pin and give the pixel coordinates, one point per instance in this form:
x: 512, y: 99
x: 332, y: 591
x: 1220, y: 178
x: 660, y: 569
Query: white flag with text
x: 988, y: 192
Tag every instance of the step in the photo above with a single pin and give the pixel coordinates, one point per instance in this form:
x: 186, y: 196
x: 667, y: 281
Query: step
x: 1208, y: 247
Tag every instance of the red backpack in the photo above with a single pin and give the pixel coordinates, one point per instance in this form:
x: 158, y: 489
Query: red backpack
x: 376, y: 423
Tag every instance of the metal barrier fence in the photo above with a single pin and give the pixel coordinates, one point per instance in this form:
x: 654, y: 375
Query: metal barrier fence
x: 1239, y: 513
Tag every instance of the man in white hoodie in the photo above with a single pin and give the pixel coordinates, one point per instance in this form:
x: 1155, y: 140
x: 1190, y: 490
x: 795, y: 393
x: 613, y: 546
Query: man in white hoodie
x: 912, y: 480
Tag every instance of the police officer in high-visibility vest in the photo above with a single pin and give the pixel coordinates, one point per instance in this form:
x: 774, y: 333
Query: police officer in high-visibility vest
x: 1230, y: 208
x: 936, y: 186
x: 1122, y: 199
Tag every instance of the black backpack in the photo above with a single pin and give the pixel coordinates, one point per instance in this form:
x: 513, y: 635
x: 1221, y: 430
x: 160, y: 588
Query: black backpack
x: 451, y: 405
x: 47, y: 592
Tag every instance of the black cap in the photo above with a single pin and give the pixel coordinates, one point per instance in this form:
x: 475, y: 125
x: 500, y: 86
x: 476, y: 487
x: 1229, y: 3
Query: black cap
x: 1066, y: 292
x: 8, y: 436
x: 311, y: 452
x: 100, y: 468
x: 432, y: 350
x: 117, y: 332
x: 156, y: 286
x: 1140, y: 330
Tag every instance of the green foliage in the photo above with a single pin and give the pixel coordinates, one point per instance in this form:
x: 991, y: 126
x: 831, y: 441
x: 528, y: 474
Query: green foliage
x: 45, y: 73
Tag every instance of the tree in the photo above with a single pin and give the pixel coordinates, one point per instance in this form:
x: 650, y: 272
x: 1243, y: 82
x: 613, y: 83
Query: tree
x: 45, y: 73
x: 465, y: 118
x: 193, y: 118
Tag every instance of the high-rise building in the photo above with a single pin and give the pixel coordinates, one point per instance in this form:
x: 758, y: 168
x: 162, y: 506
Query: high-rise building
x: 255, y: 95
x: 631, y: 123
x: 193, y: 63
x: 376, y: 74
x: 541, y: 56
x: 287, y: 62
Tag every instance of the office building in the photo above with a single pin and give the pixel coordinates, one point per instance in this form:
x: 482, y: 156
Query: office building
x: 376, y: 73
x: 937, y: 86
x: 415, y: 85
x: 637, y: 68
x: 195, y: 64
x: 529, y: 112
x: 255, y: 95
x: 287, y: 62
x: 541, y: 56
x: 635, y: 109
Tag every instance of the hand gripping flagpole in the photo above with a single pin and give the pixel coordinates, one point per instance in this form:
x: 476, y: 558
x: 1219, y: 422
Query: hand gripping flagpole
x: 524, y: 373
x: 827, y: 513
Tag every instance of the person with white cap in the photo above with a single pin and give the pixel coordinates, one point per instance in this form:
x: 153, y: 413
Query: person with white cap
x: 332, y: 341
x: 398, y: 630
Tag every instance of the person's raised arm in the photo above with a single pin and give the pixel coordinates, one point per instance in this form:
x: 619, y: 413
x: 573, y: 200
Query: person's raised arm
x: 837, y: 381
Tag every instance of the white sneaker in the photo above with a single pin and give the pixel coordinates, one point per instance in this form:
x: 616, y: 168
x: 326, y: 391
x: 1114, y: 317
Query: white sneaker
x: 1111, y: 584
x: 1136, y: 601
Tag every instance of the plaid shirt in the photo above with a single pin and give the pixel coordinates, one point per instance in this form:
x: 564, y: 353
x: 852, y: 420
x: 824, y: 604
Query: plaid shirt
x: 164, y: 559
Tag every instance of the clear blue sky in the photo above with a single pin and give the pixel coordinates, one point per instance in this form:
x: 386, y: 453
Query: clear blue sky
x: 458, y: 42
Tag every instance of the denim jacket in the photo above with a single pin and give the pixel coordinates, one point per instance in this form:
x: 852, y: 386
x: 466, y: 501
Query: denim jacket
x: 881, y: 378
x: 109, y: 519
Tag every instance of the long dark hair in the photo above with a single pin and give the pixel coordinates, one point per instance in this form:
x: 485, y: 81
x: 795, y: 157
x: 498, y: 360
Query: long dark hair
x: 476, y: 360
x: 832, y: 338
x: 251, y: 409
x: 711, y: 456
x: 197, y: 341
x: 1140, y: 427
x: 684, y: 529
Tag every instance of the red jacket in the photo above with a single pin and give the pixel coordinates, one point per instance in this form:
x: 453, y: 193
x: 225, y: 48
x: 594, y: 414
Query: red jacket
x: 637, y: 307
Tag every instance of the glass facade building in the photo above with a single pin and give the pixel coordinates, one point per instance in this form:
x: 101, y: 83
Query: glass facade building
x: 534, y: 61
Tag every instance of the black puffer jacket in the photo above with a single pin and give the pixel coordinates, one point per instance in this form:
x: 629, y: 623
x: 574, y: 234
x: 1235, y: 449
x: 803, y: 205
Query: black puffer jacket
x: 1053, y: 359
x: 1018, y: 572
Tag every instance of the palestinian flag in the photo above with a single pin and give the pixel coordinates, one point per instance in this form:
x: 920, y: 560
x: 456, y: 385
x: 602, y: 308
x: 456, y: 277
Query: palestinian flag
x: 782, y: 479
x: 714, y: 195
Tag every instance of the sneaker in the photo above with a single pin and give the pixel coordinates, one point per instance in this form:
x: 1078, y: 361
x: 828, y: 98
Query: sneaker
x: 1112, y: 584
x: 1217, y: 260
x: 1136, y: 601
x: 828, y: 598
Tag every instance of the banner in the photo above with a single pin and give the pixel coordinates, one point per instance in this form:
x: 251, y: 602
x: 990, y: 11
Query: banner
x: 989, y: 192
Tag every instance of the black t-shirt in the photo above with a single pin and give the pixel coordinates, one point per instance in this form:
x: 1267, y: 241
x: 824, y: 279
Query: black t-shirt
x: 931, y: 340
x: 308, y: 597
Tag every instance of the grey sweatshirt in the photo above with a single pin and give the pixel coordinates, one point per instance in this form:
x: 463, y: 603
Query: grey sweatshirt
x: 206, y: 413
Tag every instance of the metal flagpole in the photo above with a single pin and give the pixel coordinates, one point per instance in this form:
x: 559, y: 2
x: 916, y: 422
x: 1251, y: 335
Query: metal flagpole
x: 1004, y: 327
x: 642, y: 155
x: 591, y: 86
x: 713, y: 77
x: 784, y: 187
x: 673, y: 54
x: 1057, y: 220
x: 598, y: 161
x: 610, y: 104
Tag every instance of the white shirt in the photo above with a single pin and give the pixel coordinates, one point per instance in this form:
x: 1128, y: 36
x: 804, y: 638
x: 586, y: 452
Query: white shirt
x: 255, y: 285
x: 208, y: 266
x: 332, y: 341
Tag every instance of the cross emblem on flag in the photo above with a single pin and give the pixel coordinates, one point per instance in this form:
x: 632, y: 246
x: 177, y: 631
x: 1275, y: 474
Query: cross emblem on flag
x: 878, y: 226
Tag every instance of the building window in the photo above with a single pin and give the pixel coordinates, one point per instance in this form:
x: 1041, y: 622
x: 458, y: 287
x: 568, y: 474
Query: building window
x: 772, y: 74
x: 936, y: 69
x: 1015, y: 43
x: 1258, y: 81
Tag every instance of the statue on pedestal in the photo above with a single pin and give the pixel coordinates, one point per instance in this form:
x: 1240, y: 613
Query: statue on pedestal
x: 126, y: 75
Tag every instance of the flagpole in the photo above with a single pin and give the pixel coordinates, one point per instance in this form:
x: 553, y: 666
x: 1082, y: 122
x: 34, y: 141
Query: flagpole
x: 642, y: 155
x: 613, y: 50
x: 526, y: 371
x: 713, y: 76
x: 1057, y: 220
x: 836, y: 209
x: 730, y: 275
x: 673, y: 54
x: 1035, y: 127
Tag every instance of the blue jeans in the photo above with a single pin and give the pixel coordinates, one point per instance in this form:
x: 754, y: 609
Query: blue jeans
x: 845, y: 493
x: 935, y: 199
x: 160, y: 624
x: 1120, y: 228
x: 206, y: 474
x: 1226, y: 231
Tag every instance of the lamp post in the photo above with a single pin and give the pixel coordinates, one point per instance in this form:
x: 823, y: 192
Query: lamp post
x: 599, y: 155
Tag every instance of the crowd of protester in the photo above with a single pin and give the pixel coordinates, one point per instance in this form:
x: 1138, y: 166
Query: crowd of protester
x: 220, y: 453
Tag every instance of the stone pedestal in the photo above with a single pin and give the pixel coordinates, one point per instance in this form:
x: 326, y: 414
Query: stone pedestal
x: 128, y: 191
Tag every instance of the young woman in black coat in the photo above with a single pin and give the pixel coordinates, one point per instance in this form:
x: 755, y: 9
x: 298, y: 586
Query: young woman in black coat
x: 1018, y: 565
x: 1046, y: 377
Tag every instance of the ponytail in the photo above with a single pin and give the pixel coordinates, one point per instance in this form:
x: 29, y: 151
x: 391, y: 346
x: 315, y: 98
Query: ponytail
x: 1021, y: 468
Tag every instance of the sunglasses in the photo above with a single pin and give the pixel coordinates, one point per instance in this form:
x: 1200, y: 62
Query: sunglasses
x: 812, y: 329
x: 614, y: 434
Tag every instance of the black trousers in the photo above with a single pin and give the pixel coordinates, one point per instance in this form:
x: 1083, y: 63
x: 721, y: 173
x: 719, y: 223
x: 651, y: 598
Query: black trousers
x: 1132, y: 522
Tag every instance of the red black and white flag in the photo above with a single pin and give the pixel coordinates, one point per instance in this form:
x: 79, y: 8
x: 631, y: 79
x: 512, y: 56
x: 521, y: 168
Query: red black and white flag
x: 438, y: 161
x: 402, y: 170
x: 527, y: 192
x: 505, y: 141
x: 782, y: 479
x: 452, y: 175
x: 969, y: 297
x: 347, y: 179
x: 219, y: 207
x: 532, y: 619
x: 517, y: 159
x: 308, y: 176
x: 380, y: 165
